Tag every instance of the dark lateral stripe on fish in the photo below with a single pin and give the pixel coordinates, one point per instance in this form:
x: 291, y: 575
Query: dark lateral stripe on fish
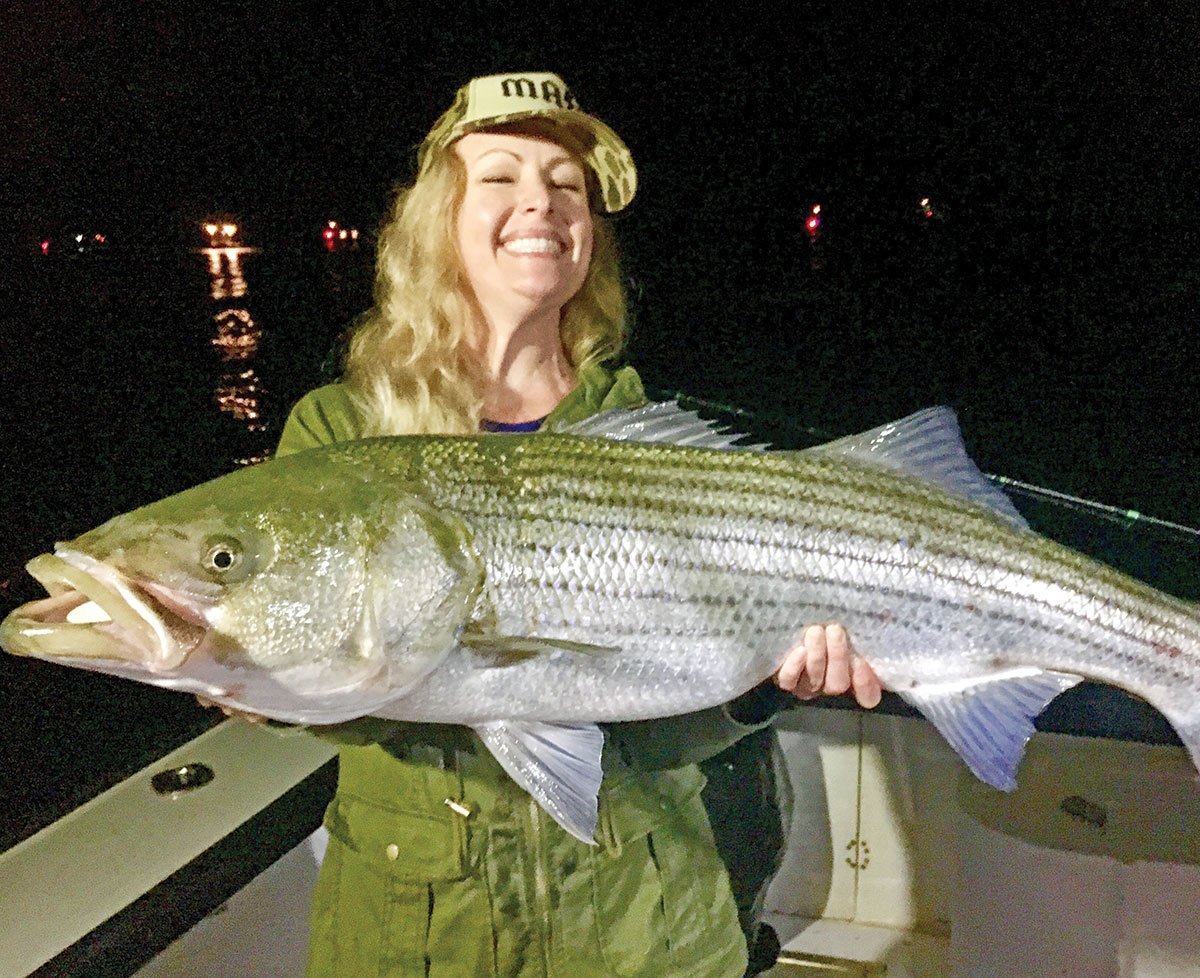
x: 1158, y: 668
x: 562, y: 487
x: 559, y: 498
x: 891, y: 526
x: 658, y: 492
x: 1082, y: 635
x: 786, y: 530
x: 932, y: 554
x: 750, y: 480
x: 836, y: 477
x: 850, y: 607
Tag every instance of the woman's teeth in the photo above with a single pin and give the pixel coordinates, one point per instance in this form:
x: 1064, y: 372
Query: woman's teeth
x: 533, y: 246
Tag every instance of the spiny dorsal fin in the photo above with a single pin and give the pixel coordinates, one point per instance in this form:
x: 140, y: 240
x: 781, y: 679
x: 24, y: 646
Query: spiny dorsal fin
x: 663, y: 422
x: 928, y: 445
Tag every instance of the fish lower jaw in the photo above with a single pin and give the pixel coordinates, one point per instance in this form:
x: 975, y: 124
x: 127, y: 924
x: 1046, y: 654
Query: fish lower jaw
x: 41, y: 639
x: 92, y: 612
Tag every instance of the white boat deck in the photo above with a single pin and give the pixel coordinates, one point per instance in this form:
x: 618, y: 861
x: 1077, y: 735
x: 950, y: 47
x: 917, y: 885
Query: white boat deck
x: 897, y: 862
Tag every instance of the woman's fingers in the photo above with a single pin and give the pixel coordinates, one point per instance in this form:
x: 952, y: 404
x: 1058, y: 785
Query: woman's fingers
x: 837, y: 660
x: 803, y: 669
x: 823, y: 663
x: 868, y: 690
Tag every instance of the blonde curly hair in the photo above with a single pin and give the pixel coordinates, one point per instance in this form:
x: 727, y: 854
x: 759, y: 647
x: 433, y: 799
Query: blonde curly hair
x: 410, y: 367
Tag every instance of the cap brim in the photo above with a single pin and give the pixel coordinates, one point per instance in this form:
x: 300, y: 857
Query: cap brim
x: 607, y: 156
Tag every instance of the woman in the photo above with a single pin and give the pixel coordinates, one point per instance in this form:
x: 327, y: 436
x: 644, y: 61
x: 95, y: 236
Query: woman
x: 498, y: 300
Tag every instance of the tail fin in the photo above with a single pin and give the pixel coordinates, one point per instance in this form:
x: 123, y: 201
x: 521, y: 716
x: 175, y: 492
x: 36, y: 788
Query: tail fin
x: 1187, y: 726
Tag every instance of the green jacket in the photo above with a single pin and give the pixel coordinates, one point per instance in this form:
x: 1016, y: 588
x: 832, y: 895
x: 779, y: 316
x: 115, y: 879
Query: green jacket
x: 439, y: 865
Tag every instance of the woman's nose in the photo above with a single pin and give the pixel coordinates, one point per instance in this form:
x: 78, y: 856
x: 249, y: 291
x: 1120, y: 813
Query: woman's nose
x: 535, y: 196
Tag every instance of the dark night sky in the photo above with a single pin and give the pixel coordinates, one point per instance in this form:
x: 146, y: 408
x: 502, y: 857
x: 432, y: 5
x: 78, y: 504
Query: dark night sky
x: 128, y: 105
x: 1057, y: 140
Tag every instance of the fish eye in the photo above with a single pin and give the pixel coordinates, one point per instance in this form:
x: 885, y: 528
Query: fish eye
x: 222, y: 556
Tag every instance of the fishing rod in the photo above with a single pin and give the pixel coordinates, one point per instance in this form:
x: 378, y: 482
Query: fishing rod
x: 1115, y: 514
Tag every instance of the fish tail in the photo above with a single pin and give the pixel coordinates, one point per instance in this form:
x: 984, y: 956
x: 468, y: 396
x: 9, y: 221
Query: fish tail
x: 1187, y: 727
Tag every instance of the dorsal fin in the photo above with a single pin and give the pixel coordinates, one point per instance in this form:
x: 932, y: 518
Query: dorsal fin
x: 928, y: 445
x: 663, y: 421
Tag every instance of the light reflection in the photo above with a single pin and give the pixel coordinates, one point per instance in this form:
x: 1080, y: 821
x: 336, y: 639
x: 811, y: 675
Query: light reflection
x: 238, y: 395
x: 262, y: 456
x: 225, y: 270
x: 237, y: 334
x: 239, y: 392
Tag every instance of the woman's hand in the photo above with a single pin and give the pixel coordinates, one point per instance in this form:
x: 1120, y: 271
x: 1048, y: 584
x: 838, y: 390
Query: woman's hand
x: 823, y: 663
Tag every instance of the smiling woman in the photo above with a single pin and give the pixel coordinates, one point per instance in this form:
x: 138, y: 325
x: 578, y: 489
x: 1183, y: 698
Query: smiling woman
x: 498, y: 300
x: 525, y: 240
x: 421, y: 359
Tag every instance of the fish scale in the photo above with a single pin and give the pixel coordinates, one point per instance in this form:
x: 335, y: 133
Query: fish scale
x: 1007, y: 568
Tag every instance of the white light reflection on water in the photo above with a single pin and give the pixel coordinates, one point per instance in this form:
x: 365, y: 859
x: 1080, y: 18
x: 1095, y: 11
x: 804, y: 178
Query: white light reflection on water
x: 237, y: 394
x: 237, y: 334
x: 225, y: 270
x: 239, y: 390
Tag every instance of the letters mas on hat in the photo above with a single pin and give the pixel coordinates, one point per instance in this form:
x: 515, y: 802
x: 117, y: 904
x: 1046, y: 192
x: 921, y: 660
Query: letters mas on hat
x: 493, y: 100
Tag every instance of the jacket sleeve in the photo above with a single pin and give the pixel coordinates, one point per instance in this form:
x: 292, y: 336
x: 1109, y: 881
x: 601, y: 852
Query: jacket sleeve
x: 322, y: 417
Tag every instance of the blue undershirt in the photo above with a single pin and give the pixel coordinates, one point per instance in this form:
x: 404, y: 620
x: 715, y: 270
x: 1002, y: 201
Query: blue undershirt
x: 510, y: 427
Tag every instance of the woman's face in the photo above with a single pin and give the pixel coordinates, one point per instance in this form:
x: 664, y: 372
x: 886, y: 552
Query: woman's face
x: 524, y: 225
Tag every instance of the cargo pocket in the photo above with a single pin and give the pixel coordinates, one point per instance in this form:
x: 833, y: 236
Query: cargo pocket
x: 398, y: 844
x: 364, y: 924
x: 662, y: 898
x: 389, y: 882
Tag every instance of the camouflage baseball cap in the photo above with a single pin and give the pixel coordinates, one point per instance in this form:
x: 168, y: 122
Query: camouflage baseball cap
x: 496, y: 99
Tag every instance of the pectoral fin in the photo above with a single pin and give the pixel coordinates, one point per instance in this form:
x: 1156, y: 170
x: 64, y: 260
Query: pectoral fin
x: 988, y: 719
x: 557, y: 763
x: 503, y: 650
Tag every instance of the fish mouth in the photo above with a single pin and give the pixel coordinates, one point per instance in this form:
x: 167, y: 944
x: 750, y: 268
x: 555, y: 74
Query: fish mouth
x: 95, y: 612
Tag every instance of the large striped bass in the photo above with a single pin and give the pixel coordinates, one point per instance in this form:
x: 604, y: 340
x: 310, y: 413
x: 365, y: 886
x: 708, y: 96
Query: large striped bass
x: 631, y: 567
